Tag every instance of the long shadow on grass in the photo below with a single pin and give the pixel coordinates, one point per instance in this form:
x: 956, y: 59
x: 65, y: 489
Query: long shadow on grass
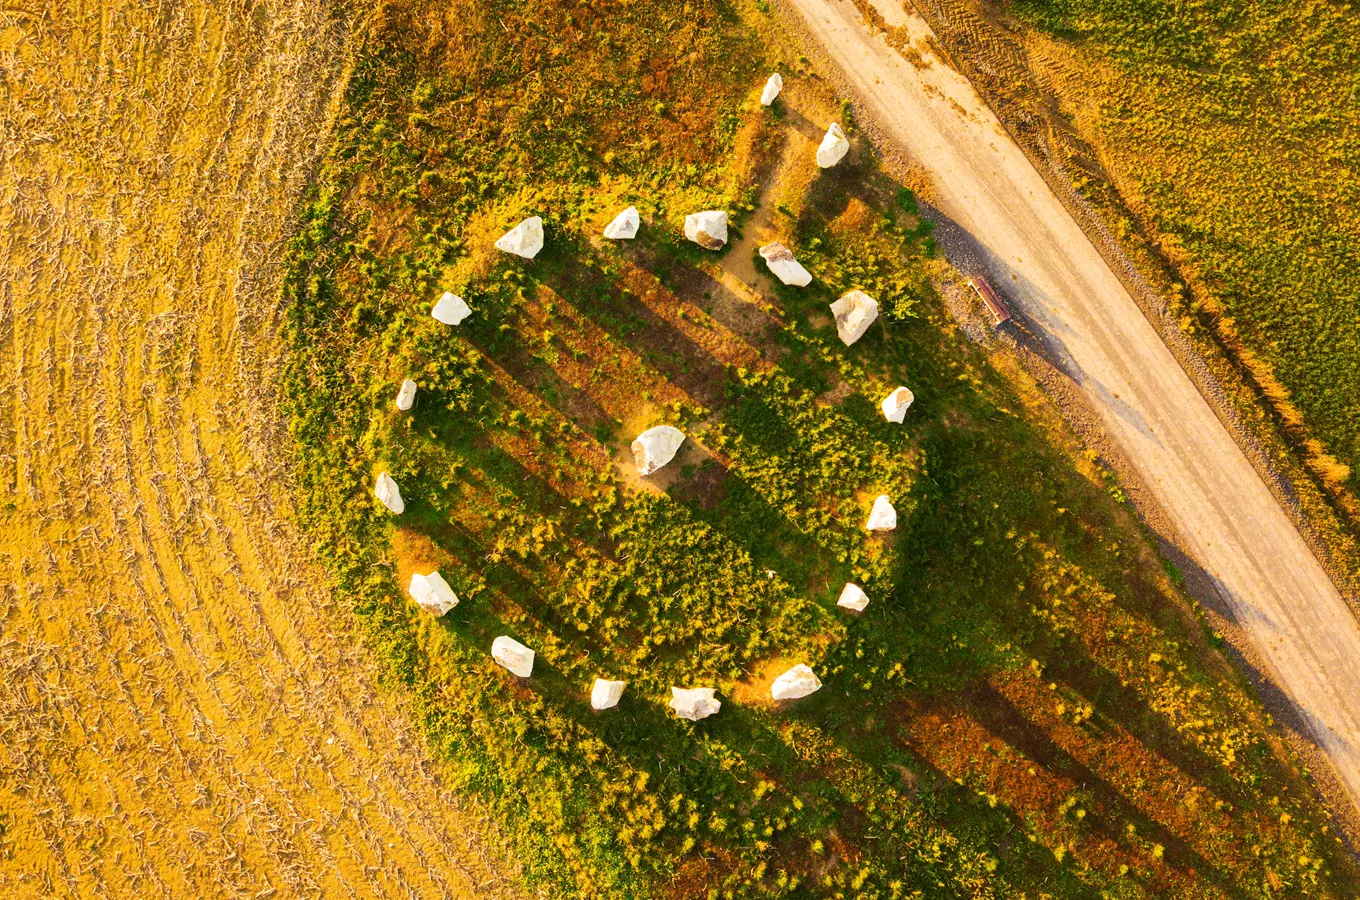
x: 1214, y: 594
x: 659, y: 343
x: 731, y: 311
x: 947, y: 520
x: 1000, y: 717
x: 736, y: 510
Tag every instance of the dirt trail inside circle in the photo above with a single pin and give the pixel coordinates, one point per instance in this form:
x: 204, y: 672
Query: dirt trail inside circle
x: 184, y: 712
x: 1003, y: 219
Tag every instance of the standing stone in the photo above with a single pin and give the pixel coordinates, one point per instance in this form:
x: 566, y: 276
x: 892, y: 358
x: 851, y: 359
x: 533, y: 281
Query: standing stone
x: 853, y: 597
x: 605, y: 694
x: 389, y: 494
x: 708, y: 229
x: 833, y: 148
x: 772, y: 89
x: 624, y: 226
x: 655, y: 447
x: 513, y: 655
x: 694, y: 703
x: 855, y: 311
x: 882, y: 517
x: 787, y: 269
x: 433, y: 593
x: 407, y: 395
x: 450, y: 309
x: 795, y: 683
x: 896, y: 404
x: 525, y: 239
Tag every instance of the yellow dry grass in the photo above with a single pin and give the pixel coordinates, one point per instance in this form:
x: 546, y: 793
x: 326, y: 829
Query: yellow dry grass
x: 184, y: 712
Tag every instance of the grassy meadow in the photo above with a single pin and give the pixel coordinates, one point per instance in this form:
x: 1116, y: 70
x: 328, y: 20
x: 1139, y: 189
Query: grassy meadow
x: 1232, y: 131
x: 1028, y: 707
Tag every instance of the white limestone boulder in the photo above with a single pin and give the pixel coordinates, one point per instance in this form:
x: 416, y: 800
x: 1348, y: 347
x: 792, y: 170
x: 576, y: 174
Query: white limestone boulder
x: 708, y: 229
x: 389, y: 494
x: 833, y: 148
x: 853, y: 597
x: 525, y: 239
x: 625, y: 225
x: 655, y: 447
x: 882, y: 517
x: 896, y: 404
x: 407, y: 395
x: 605, y: 694
x: 433, y: 593
x: 513, y: 655
x: 855, y: 311
x: 772, y: 89
x: 796, y: 683
x: 450, y: 309
x: 781, y: 262
x: 694, y: 703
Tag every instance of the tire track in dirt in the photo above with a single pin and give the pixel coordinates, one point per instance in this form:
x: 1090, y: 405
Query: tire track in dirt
x: 185, y: 712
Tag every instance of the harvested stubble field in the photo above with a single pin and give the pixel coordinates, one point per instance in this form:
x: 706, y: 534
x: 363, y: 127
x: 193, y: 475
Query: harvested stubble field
x: 184, y: 711
x: 1028, y: 707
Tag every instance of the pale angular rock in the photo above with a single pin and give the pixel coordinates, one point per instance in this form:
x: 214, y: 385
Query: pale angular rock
x: 433, y: 593
x: 694, y: 703
x: 655, y: 447
x: 853, y: 597
x: 513, y: 655
x: 896, y: 404
x: 882, y: 517
x: 855, y: 312
x: 708, y: 229
x: 624, y: 226
x: 772, y: 89
x: 389, y: 494
x: 833, y: 148
x: 525, y: 239
x: 795, y: 683
x: 407, y: 395
x: 450, y: 309
x: 605, y: 694
x: 787, y: 269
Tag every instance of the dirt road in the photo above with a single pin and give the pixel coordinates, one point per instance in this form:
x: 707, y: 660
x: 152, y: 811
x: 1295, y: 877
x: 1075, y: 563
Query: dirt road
x: 183, y: 710
x: 1032, y: 249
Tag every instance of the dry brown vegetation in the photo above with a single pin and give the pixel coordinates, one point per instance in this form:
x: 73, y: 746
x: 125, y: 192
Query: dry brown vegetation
x: 184, y: 711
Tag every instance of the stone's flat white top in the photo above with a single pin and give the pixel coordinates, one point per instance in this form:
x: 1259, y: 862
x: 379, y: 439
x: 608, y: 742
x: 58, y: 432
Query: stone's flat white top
x: 781, y: 262
x: 833, y: 148
x: 624, y: 226
x: 450, y: 309
x: 433, y: 593
x: 407, y: 395
x: 882, y: 517
x: 605, y: 694
x: 389, y: 494
x: 513, y: 655
x: 796, y: 683
x: 854, y: 312
x: 525, y: 239
x: 773, y: 86
x: 708, y: 229
x: 896, y: 404
x: 655, y: 447
x: 853, y: 597
x: 694, y: 703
